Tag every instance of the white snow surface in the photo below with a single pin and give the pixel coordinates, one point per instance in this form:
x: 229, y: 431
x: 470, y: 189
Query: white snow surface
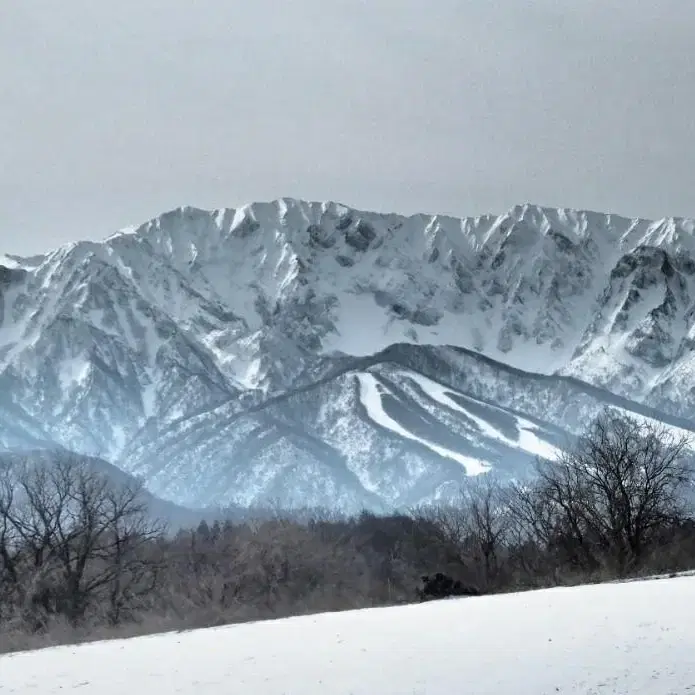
x: 527, y: 441
x: 612, y: 639
x: 371, y: 391
x: 121, y: 345
x: 8, y: 262
x: 260, y: 252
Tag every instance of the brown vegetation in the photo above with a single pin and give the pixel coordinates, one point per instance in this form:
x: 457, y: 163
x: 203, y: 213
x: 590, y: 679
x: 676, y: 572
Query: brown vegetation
x: 79, y: 557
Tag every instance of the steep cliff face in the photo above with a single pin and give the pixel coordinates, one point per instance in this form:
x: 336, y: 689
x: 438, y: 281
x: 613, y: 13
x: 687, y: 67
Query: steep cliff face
x: 221, y: 354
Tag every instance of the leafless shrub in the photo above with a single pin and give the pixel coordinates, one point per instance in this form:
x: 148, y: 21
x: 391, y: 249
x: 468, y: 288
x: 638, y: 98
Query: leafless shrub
x: 71, y: 543
x: 80, y: 559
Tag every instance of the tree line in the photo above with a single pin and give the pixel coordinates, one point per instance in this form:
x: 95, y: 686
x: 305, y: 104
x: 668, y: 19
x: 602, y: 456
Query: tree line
x: 80, y: 556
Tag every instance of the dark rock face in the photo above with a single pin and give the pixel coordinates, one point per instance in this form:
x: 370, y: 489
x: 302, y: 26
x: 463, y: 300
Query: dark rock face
x: 297, y: 350
x: 318, y: 237
x: 361, y: 236
x: 10, y: 276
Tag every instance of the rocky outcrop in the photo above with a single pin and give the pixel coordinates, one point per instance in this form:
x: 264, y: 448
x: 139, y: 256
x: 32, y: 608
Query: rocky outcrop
x: 185, y: 350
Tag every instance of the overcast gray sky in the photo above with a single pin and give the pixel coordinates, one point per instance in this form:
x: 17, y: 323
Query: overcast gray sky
x: 112, y: 112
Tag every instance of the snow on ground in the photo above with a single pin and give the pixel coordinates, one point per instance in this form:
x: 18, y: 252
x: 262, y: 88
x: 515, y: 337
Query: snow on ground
x: 613, y: 639
x: 371, y: 390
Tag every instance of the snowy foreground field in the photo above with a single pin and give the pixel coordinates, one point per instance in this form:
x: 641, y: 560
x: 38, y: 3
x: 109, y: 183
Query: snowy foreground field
x: 636, y: 638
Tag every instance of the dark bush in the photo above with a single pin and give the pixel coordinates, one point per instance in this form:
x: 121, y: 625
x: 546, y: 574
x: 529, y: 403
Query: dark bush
x: 442, y: 586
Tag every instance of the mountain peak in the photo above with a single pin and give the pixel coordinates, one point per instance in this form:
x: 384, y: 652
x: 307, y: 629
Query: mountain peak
x: 294, y: 212
x: 203, y: 339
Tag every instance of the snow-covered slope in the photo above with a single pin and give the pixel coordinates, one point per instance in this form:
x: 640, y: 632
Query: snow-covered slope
x: 399, y: 428
x: 225, y: 355
x: 632, y: 638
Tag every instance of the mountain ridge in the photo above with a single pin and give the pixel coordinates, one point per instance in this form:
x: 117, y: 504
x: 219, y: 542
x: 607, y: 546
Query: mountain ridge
x: 233, y: 312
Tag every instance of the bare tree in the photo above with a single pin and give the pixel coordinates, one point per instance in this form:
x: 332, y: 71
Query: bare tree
x: 532, y: 534
x: 617, y: 490
x: 487, y: 521
x: 447, y: 527
x: 73, y: 539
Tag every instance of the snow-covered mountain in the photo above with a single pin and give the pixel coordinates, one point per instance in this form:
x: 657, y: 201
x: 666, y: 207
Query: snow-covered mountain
x: 311, y: 353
